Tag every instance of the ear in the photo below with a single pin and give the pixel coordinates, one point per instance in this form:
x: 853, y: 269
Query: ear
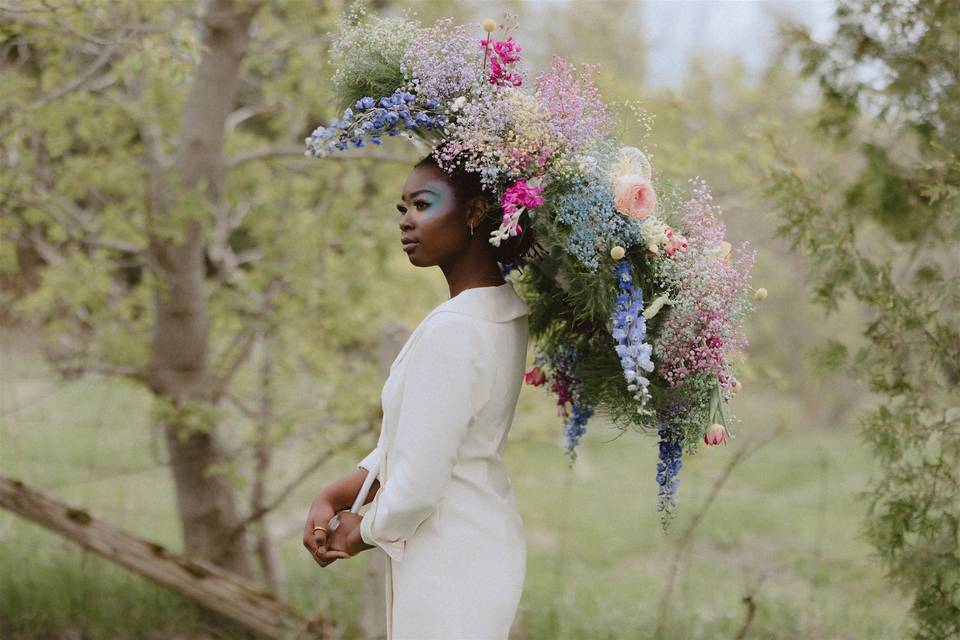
x: 476, y: 210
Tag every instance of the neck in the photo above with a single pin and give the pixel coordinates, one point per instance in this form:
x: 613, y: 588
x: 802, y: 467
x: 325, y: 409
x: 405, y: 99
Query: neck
x: 476, y: 268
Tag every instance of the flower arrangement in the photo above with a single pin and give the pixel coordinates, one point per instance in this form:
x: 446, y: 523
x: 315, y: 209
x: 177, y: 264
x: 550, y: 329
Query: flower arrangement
x: 610, y: 234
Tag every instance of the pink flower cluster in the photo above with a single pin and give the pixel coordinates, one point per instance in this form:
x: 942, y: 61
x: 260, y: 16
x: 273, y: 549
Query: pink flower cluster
x: 572, y: 103
x: 514, y: 199
x: 711, y: 298
x: 675, y: 242
x: 505, y: 52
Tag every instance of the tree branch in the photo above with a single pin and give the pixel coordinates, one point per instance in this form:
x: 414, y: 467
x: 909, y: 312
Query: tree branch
x: 686, y: 537
x: 102, y: 59
x: 307, y: 471
x: 296, y: 151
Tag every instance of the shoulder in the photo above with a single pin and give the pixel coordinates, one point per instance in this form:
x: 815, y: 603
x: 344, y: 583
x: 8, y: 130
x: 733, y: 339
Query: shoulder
x: 453, y: 327
x: 454, y: 334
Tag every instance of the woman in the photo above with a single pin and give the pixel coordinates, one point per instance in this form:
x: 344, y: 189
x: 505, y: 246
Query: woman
x: 445, y: 512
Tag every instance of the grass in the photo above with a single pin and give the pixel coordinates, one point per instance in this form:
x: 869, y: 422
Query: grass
x: 785, y: 526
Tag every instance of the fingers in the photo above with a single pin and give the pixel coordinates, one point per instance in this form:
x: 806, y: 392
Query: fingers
x: 320, y: 538
x: 315, y: 540
x: 326, y: 558
x: 317, y: 534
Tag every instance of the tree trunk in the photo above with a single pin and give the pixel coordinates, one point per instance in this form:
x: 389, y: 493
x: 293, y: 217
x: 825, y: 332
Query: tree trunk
x: 178, y: 352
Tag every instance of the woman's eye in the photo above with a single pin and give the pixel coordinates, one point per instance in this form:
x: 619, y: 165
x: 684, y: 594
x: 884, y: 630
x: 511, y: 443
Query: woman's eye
x: 420, y: 205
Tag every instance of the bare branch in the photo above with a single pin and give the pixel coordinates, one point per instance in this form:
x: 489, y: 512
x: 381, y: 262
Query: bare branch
x: 136, y: 374
x: 295, y: 151
x: 263, y: 154
x: 114, y: 245
x: 103, y: 57
x: 241, y: 115
x: 50, y: 253
x: 66, y: 26
x: 244, y: 408
x: 307, y: 471
x: 685, y: 538
x: 225, y: 222
x: 21, y: 18
x: 239, y: 350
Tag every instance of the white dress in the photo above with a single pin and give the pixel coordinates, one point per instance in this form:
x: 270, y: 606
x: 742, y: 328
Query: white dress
x: 445, y: 512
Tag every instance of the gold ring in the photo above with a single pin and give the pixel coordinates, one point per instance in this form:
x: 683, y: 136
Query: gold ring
x: 321, y: 528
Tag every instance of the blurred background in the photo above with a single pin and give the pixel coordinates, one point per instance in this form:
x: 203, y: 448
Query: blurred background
x: 183, y: 369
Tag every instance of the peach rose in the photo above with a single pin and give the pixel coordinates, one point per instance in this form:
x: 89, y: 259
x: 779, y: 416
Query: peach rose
x: 633, y: 196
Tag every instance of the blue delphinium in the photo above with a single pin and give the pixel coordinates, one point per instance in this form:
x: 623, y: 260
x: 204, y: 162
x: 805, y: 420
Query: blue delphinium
x: 671, y: 460
x: 629, y: 331
x: 567, y: 389
x: 576, y: 426
x: 372, y: 118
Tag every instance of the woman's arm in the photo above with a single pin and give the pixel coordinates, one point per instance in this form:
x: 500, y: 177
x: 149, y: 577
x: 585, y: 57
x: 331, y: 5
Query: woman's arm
x: 445, y: 380
x: 342, y: 492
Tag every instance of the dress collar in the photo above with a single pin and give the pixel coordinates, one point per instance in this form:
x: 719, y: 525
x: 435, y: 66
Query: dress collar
x: 498, y: 304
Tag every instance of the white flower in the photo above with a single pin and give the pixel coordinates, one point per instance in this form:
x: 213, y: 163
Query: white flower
x: 457, y: 104
x: 655, y: 306
x: 633, y: 161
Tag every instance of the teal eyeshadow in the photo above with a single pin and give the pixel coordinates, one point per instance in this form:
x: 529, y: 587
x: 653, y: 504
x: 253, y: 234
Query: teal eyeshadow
x: 436, y: 201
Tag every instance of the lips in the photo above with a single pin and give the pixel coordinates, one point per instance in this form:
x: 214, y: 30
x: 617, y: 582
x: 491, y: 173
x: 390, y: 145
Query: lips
x: 408, y: 243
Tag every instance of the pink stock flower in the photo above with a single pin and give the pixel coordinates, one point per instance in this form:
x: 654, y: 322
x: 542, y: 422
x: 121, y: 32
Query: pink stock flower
x: 715, y: 434
x: 633, y: 196
x: 521, y: 194
x: 508, y: 50
x: 505, y: 52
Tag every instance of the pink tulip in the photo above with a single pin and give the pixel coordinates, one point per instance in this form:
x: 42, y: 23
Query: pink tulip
x: 715, y: 434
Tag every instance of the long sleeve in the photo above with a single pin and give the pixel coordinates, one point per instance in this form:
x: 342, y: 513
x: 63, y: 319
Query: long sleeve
x: 369, y: 459
x: 442, y: 382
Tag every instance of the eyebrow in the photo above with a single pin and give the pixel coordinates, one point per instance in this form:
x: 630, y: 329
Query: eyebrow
x: 414, y: 194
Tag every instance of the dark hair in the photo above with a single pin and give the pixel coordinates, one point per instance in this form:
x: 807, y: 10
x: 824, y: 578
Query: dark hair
x: 466, y: 185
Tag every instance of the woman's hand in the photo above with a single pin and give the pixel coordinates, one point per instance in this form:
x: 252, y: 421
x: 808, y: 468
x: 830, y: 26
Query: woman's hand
x: 346, y: 538
x: 321, y: 511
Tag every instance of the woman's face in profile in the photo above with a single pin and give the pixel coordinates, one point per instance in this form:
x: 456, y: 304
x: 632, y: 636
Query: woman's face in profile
x: 432, y: 229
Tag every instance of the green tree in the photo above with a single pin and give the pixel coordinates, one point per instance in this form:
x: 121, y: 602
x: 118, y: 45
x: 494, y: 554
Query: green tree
x: 880, y: 217
x: 152, y: 159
